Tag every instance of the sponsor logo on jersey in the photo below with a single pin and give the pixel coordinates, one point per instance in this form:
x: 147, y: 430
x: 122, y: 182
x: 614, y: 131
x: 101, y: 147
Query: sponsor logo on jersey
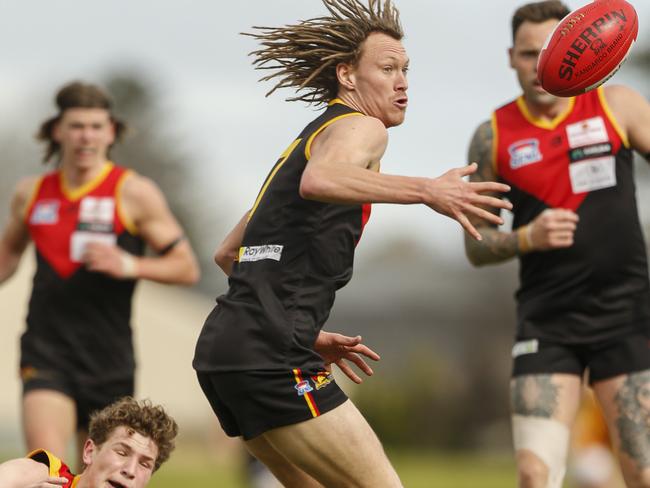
x: 525, y: 347
x: 258, y: 253
x: 45, y: 212
x: 322, y: 379
x: 303, y: 387
x: 524, y: 152
x: 592, y: 151
x: 586, y: 132
x: 593, y: 174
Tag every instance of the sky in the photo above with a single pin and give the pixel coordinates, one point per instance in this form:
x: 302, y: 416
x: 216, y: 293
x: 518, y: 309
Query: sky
x: 197, y: 62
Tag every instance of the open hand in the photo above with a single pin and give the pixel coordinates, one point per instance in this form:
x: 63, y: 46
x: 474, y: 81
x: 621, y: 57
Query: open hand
x: 337, y: 349
x: 454, y: 197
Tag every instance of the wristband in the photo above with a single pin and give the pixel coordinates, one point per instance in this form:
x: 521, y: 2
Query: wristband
x: 525, y: 239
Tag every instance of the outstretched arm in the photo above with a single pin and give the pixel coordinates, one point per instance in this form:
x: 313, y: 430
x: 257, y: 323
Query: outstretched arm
x: 145, y: 205
x: 15, y: 236
x: 343, y: 169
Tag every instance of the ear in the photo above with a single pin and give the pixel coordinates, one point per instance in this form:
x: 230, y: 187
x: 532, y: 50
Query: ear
x: 89, y: 450
x: 113, y: 132
x: 511, y: 52
x: 56, y: 131
x: 345, y: 73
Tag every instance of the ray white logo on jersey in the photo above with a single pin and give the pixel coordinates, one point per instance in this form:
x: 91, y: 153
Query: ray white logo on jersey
x: 258, y: 253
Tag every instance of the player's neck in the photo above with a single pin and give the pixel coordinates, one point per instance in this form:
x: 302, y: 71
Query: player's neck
x: 78, y: 174
x: 548, y: 111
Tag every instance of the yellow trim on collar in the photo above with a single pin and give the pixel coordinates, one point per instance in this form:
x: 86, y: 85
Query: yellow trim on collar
x: 76, y: 193
x: 543, y: 123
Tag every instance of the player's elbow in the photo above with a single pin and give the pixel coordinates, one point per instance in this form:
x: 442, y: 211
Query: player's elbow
x: 312, y: 184
x: 224, y: 257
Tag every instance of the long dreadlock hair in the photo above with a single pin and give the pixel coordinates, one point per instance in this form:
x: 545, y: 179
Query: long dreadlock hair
x: 305, y: 55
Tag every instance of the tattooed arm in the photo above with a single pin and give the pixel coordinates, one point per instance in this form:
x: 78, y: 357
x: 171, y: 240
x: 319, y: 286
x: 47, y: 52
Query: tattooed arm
x: 496, y: 246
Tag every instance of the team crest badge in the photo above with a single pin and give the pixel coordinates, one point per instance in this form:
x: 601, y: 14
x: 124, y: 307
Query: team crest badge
x: 524, y: 152
x: 303, y: 387
x: 45, y: 212
x: 322, y: 379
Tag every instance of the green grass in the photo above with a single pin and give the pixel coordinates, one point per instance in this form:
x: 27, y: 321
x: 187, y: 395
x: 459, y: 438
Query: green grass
x: 416, y: 469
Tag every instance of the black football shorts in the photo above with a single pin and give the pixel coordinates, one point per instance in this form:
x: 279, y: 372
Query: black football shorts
x: 249, y: 403
x: 623, y: 355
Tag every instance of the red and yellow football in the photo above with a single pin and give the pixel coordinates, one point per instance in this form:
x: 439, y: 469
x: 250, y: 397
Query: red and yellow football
x: 587, y: 47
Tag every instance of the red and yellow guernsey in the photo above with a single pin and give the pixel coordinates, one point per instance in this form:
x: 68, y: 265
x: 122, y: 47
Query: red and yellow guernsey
x: 79, y: 320
x: 582, y: 161
x: 56, y: 467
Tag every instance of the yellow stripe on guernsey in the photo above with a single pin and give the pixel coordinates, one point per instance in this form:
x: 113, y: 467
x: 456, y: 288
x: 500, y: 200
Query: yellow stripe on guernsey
x: 543, y: 123
x: 76, y: 193
x: 495, y: 144
x: 610, y: 115
x: 306, y: 396
x: 32, y: 199
x: 324, y: 126
x: 285, y: 155
x: 75, y: 482
x: 53, y: 462
x: 123, y: 216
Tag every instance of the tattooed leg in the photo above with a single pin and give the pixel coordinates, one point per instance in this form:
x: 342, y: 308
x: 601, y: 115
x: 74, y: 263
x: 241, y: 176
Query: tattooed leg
x: 543, y: 406
x: 630, y: 419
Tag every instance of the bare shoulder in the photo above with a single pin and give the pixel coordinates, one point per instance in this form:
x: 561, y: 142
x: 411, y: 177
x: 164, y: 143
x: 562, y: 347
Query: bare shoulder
x: 23, y: 192
x: 480, y: 151
x: 360, y: 138
x: 142, y: 199
x: 140, y: 189
x: 624, y: 100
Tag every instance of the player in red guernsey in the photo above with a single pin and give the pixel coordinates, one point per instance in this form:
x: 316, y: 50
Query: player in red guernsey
x: 128, y: 441
x: 584, y: 295
x: 89, y: 220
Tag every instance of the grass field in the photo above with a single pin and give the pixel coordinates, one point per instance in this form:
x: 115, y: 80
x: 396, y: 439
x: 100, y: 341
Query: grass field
x: 417, y: 470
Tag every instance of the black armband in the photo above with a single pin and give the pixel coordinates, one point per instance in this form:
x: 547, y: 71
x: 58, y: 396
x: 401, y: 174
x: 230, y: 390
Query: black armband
x: 171, y: 245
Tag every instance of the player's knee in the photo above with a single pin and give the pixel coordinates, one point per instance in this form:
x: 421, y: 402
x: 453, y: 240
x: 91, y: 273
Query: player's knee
x: 542, y: 445
x: 532, y: 471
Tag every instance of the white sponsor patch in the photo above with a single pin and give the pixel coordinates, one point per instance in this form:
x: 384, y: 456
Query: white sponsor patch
x: 525, y: 347
x: 593, y: 174
x: 45, y: 212
x: 99, y: 210
x: 258, y: 253
x: 80, y: 239
x: 524, y: 152
x: 585, y: 132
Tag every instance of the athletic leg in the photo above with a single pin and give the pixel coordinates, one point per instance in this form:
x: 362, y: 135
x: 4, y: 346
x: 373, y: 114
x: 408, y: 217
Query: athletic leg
x: 544, y: 407
x: 338, y: 448
x: 625, y: 400
x: 49, y: 420
x: 284, y: 470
